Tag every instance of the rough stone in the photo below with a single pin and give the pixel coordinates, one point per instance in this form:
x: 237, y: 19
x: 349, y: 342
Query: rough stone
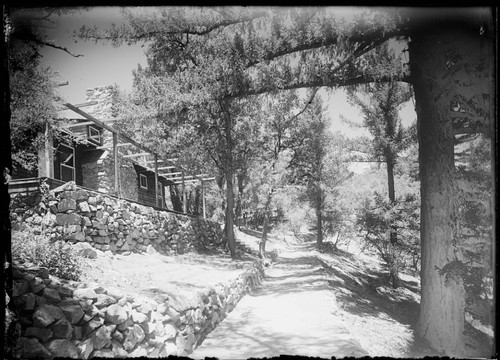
x: 40, y: 333
x: 66, y: 204
x: 104, y: 300
x: 46, y: 315
x: 170, y: 331
x: 51, y: 295
x: 85, y: 293
x: 139, y: 352
x: 135, y: 335
x: 62, y: 329
x: 138, y: 317
x: 115, y: 314
x: 30, y: 301
x: 114, y: 292
x: 73, y: 313
x: 85, y: 348
x: 63, y: 348
x: 103, y: 353
x: 31, y: 348
x: 20, y: 287
x: 101, y: 337
x: 84, y: 207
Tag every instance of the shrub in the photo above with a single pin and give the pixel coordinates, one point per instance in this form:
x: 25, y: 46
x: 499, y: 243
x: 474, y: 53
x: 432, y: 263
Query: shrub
x: 393, y: 230
x: 54, y: 254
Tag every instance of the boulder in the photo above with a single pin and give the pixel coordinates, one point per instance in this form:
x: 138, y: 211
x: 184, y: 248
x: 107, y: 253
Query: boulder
x: 46, y: 315
x: 103, y: 353
x: 73, y: 313
x: 65, y: 205
x: 104, y: 300
x: 114, y: 292
x: 40, y: 333
x: 51, y: 295
x: 31, y: 348
x: 84, y: 207
x: 115, y: 314
x: 85, y: 348
x: 85, y: 293
x: 134, y: 336
x: 118, y: 349
x: 170, y: 331
x: 138, y: 317
x: 20, y: 287
x: 30, y: 301
x: 62, y: 329
x: 63, y: 348
x: 139, y: 352
x: 101, y: 337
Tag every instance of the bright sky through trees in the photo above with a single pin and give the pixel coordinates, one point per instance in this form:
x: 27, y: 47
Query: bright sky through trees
x: 103, y: 64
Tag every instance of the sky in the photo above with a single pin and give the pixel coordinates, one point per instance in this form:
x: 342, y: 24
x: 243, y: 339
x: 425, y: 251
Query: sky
x: 103, y: 64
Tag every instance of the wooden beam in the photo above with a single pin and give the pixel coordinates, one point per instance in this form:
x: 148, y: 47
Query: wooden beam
x: 184, y: 203
x: 90, y: 103
x: 123, y: 136
x: 198, y: 177
x: 177, y: 182
x: 171, y: 174
x: 173, y: 159
x: 203, y: 199
x: 152, y: 161
x: 135, y: 155
x: 166, y: 167
x: 76, y: 125
x: 64, y: 83
x: 156, y: 180
x: 110, y: 147
x: 117, y: 165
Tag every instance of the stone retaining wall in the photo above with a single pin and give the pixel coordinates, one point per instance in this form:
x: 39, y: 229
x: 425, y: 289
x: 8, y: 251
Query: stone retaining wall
x: 108, y: 223
x: 76, y: 320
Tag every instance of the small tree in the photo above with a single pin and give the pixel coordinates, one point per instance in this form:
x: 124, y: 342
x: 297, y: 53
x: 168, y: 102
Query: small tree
x: 377, y: 218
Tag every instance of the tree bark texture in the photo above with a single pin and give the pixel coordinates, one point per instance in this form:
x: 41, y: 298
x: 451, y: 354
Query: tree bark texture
x: 265, y: 225
x: 445, y: 60
x: 229, y: 223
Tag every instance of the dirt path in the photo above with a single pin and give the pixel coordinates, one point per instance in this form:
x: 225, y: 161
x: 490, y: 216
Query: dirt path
x: 292, y: 313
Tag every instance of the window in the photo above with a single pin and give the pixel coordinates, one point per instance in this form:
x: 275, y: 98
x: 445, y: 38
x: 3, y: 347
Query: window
x: 67, y: 165
x: 94, y: 135
x: 143, y: 181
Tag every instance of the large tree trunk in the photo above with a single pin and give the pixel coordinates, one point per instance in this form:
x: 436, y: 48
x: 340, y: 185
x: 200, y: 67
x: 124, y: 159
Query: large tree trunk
x: 319, y: 220
x: 265, y: 225
x: 229, y: 223
x: 443, y: 58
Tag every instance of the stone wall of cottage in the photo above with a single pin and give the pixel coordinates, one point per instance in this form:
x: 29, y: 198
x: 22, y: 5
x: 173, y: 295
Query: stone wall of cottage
x: 108, y: 223
x: 69, y: 319
x: 99, y: 174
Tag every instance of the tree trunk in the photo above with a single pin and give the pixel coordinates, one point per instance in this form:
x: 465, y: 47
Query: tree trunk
x: 229, y: 223
x: 392, y: 193
x: 319, y: 222
x: 265, y: 226
x: 443, y: 59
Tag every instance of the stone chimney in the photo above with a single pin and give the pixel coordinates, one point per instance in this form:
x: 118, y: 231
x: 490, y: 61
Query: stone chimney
x: 98, y: 172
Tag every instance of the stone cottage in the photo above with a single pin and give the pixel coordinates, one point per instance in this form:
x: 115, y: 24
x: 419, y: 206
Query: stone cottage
x: 82, y: 146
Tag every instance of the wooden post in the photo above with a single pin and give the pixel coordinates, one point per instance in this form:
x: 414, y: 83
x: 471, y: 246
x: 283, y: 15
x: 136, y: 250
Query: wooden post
x: 203, y: 198
x: 184, y: 203
x: 117, y: 165
x: 46, y: 155
x: 156, y: 181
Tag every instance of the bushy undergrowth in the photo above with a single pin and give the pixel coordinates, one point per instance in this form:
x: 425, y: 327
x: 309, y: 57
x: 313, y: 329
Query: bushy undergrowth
x: 54, y: 254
